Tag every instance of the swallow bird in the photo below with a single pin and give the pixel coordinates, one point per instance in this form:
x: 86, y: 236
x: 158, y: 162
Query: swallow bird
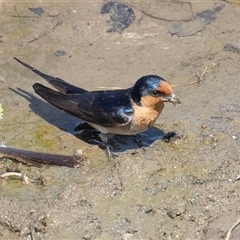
x: 125, y: 111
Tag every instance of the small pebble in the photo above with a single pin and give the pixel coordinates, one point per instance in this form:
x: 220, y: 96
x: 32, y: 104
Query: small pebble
x: 79, y: 152
x: 233, y: 46
x: 60, y: 53
x: 53, y: 13
x: 39, y: 11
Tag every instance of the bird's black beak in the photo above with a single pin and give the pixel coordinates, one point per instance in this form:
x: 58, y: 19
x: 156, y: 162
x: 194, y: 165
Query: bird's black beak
x: 171, y: 98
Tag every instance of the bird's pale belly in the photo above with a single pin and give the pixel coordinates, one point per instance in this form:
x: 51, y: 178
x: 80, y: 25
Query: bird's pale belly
x: 143, y: 119
x: 129, y: 129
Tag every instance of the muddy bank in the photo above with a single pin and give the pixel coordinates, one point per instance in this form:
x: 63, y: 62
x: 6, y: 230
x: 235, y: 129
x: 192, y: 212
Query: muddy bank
x: 182, y: 189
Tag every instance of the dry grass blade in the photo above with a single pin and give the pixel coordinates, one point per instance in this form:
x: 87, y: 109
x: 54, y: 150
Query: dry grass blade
x: 23, y: 176
x: 231, y: 229
x: 109, y: 88
x: 199, y: 75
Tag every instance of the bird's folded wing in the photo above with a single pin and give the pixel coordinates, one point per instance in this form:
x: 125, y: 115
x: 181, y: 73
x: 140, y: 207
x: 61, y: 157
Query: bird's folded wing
x: 111, y: 109
x: 67, y: 102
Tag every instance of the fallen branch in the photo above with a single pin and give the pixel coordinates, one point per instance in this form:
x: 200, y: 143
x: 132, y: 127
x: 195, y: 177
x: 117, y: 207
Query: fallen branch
x: 36, y: 158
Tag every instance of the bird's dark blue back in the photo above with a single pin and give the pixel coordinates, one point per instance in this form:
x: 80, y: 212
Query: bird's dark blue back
x: 109, y: 108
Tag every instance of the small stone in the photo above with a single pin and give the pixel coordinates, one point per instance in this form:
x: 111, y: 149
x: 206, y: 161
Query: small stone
x: 127, y: 236
x: 53, y: 13
x: 79, y: 152
x: 190, y: 28
x: 121, y: 15
x: 60, y: 53
x: 39, y: 11
x: 176, y: 210
x: 145, y: 208
x: 233, y: 46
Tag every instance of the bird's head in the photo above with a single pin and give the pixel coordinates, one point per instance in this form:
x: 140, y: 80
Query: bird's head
x: 153, y: 90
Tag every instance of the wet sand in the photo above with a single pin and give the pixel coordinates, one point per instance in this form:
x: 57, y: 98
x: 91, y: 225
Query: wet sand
x: 182, y: 189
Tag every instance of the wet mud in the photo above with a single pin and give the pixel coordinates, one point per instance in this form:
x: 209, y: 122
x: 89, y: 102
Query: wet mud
x: 182, y: 188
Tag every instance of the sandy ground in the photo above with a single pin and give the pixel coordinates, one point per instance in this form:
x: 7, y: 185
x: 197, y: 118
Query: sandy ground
x: 182, y: 189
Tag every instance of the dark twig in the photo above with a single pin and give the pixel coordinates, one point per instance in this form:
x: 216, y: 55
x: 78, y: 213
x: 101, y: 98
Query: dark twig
x: 37, y: 38
x: 36, y: 158
x: 192, y: 18
x: 24, y: 16
x: 18, y: 15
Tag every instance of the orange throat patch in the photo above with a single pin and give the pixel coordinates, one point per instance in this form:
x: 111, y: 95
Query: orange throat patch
x: 146, y: 115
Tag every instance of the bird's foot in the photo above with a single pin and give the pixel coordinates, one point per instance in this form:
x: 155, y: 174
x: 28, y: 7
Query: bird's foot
x: 172, y: 136
x: 140, y: 142
x: 110, y: 154
x: 167, y: 136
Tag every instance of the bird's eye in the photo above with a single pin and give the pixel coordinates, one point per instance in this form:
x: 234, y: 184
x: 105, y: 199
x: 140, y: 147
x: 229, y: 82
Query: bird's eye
x: 155, y: 93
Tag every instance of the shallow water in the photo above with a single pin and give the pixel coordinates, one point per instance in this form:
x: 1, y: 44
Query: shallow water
x: 180, y: 189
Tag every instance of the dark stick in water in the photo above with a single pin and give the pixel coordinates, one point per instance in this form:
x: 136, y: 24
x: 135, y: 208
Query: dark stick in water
x: 36, y: 158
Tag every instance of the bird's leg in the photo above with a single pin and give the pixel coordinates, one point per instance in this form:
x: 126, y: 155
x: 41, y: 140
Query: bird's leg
x: 139, y: 142
x: 104, y: 138
x: 84, y: 126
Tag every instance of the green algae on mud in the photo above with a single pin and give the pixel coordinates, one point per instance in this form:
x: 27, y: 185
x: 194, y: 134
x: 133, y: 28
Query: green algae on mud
x: 46, y: 137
